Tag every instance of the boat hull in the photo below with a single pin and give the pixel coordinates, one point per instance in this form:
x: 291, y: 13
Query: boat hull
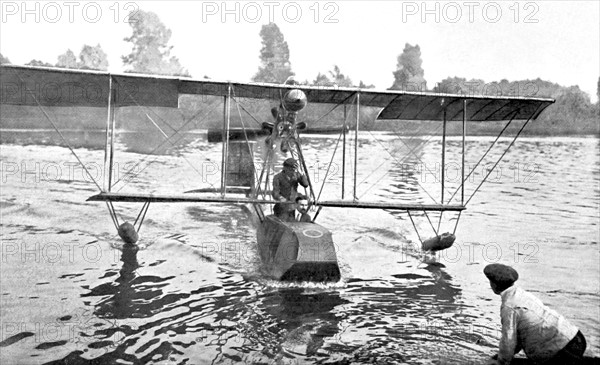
x: 297, y: 251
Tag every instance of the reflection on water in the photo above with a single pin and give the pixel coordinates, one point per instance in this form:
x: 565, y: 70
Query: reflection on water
x: 145, y: 142
x: 193, y: 292
x: 91, y: 139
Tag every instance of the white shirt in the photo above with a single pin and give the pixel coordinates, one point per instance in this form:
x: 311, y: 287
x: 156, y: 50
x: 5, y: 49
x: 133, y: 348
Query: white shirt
x: 529, y: 325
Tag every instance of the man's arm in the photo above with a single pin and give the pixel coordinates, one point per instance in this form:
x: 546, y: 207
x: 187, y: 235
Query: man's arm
x: 276, y: 189
x: 302, y: 180
x: 509, y: 345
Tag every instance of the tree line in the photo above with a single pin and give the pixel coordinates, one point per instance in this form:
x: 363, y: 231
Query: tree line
x: 573, y: 111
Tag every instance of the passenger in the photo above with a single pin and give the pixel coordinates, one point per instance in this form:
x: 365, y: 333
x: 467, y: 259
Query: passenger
x: 285, y: 183
x: 302, y: 210
x: 544, y: 335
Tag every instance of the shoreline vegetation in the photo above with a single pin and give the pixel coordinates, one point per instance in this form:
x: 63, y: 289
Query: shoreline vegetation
x: 573, y: 113
x: 556, y: 120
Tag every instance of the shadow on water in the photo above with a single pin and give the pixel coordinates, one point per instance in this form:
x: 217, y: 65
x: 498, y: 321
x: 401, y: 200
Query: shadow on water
x: 408, y: 319
x: 132, y: 296
x: 306, y: 319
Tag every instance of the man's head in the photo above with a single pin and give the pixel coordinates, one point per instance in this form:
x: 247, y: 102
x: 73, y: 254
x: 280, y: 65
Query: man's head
x: 302, y: 204
x: 289, y: 166
x: 501, y: 277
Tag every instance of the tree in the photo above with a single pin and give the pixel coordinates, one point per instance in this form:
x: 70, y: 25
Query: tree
x: 151, y: 52
x: 339, y: 78
x: 362, y: 85
x: 335, y: 78
x: 39, y: 63
x: 460, y: 85
x: 274, y: 56
x: 67, y: 60
x: 409, y: 74
x: 4, y: 60
x: 598, y: 92
x: 322, y: 80
x: 93, y: 58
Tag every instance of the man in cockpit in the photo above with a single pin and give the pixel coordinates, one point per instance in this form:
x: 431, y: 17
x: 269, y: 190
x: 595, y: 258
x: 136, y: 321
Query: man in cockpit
x: 285, y: 183
x: 301, y: 214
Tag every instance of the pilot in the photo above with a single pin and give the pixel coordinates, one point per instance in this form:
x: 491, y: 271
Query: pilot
x: 545, y: 336
x: 302, y: 210
x: 285, y: 183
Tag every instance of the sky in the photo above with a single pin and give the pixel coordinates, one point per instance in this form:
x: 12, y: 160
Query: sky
x: 557, y: 41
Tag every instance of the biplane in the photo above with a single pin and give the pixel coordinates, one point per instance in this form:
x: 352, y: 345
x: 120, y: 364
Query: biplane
x: 289, y: 250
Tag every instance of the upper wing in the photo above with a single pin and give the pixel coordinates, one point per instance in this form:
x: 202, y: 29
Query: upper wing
x: 23, y: 85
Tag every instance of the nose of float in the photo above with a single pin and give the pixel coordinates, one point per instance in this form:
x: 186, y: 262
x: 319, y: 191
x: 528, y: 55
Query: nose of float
x: 128, y: 233
x: 439, y: 243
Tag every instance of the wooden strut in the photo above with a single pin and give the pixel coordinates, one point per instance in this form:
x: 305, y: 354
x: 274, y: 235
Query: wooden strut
x: 142, y: 213
x: 464, y: 134
x: 344, y: 154
x: 356, y: 142
x: 113, y: 215
x: 415, y: 227
x: 301, y: 158
x: 111, y: 113
x: 225, y: 155
x: 140, y: 217
x: 435, y: 231
x: 109, y: 117
x: 443, y: 164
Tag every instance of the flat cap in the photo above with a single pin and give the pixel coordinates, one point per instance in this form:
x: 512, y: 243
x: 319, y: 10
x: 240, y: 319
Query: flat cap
x: 501, y: 274
x: 290, y: 162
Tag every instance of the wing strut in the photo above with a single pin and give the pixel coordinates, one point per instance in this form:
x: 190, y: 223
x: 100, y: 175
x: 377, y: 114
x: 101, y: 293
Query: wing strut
x: 105, y: 183
x: 504, y: 153
x: 443, y: 152
x: 356, y: 141
x: 343, y: 154
x: 464, y: 133
x: 226, y: 121
x: 111, y: 117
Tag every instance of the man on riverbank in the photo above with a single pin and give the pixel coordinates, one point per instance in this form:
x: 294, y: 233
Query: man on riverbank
x: 544, y: 335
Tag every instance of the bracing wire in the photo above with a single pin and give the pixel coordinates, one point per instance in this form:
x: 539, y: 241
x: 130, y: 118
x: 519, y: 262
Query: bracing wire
x: 61, y: 135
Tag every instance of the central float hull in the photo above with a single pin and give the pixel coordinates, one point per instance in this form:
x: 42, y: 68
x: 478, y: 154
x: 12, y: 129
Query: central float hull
x: 297, y: 251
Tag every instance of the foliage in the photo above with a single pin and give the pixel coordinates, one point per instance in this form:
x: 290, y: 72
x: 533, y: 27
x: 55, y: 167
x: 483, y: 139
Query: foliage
x: 274, y: 56
x: 572, y: 113
x: 459, y: 85
x: 321, y: 80
x: 598, y: 92
x: 4, y: 60
x: 67, y: 60
x: 93, y: 58
x: 362, y: 85
x: 335, y: 78
x: 151, y: 52
x: 39, y: 63
x: 339, y: 78
x: 90, y: 58
x: 409, y: 74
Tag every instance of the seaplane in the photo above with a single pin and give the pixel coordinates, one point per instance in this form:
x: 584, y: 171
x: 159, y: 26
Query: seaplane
x: 289, y: 250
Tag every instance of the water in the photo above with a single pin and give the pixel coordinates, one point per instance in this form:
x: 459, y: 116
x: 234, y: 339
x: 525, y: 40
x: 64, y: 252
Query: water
x: 194, y: 292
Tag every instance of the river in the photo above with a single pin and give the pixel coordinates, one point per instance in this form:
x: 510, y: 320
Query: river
x: 194, y: 292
